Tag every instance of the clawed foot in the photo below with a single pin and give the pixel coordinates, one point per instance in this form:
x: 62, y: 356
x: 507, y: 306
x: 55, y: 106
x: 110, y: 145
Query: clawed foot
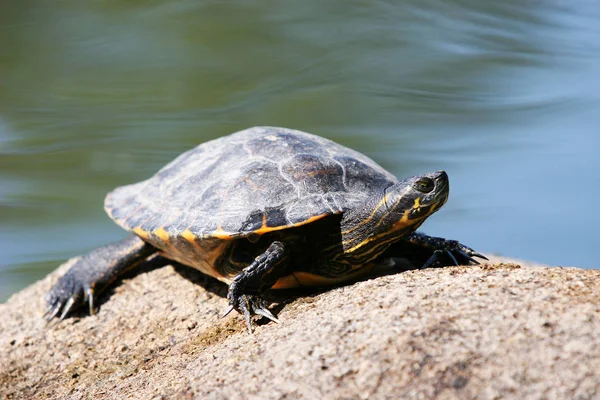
x: 66, y: 295
x: 248, y: 305
x: 452, y: 252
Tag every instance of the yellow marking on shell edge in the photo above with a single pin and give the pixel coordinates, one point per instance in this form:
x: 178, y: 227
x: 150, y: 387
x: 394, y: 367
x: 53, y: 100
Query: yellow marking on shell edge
x: 162, y: 234
x: 140, y: 232
x: 221, y: 234
x: 189, y: 236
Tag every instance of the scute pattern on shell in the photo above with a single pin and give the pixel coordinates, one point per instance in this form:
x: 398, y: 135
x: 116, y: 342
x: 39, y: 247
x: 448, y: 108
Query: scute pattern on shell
x: 238, y: 182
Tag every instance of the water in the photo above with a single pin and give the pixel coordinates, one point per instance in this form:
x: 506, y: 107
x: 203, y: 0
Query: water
x: 502, y: 95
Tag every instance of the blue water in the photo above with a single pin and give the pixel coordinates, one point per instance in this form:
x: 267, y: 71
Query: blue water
x: 502, y: 95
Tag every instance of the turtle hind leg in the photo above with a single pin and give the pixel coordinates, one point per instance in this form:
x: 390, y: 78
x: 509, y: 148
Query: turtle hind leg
x: 248, y: 287
x: 92, y: 274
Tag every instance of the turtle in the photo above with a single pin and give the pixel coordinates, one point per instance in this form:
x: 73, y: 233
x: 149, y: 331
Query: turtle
x: 262, y: 209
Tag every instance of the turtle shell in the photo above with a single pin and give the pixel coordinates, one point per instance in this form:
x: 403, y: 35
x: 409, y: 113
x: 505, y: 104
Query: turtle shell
x: 253, y: 181
x: 248, y: 183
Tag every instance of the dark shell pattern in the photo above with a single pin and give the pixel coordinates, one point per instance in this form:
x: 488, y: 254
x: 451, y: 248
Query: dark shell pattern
x: 253, y: 181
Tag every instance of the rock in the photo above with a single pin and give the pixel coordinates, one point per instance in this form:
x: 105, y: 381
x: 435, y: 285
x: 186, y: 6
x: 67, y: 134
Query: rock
x: 493, y: 331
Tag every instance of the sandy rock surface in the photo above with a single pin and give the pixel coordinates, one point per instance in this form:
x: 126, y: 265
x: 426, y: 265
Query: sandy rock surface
x: 499, y: 330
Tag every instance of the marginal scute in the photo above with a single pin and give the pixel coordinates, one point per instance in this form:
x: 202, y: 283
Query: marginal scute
x: 188, y: 235
x: 140, y: 232
x: 162, y: 234
x: 221, y: 234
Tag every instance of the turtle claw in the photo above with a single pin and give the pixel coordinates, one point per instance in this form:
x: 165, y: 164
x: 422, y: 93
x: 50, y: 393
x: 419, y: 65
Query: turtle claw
x: 470, y: 255
x: 474, y: 261
x: 229, y: 310
x: 438, y: 255
x: 451, y: 256
x: 451, y: 252
x: 266, y: 313
x: 52, y: 311
x: 249, y: 305
x: 431, y: 260
x: 67, y: 308
x: 466, y: 256
x: 48, y: 311
x: 89, y: 292
x: 247, y: 316
x: 66, y: 296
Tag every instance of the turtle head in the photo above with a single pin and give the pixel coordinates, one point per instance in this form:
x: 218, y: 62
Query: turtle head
x: 390, y: 215
x: 410, y: 201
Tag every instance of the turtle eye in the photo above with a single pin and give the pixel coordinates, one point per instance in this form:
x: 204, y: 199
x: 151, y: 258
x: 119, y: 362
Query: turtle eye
x: 424, y: 185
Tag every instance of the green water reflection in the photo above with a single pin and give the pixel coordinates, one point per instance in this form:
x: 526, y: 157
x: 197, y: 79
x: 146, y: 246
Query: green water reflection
x: 503, y: 95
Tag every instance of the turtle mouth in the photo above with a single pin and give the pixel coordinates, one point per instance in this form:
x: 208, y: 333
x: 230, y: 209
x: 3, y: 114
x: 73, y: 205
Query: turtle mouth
x: 432, y: 205
x: 442, y: 184
x: 439, y: 202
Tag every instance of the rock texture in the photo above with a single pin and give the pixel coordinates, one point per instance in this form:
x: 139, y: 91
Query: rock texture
x: 493, y: 331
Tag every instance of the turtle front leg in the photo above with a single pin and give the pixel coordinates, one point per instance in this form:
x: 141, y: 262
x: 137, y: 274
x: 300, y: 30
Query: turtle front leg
x: 444, y: 251
x: 93, y: 273
x: 248, y: 287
